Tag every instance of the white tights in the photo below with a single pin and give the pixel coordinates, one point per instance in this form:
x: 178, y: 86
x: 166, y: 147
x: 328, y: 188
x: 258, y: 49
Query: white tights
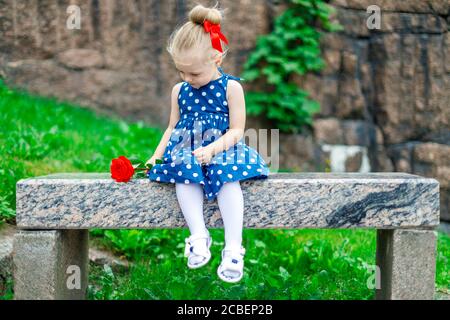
x: 231, y: 205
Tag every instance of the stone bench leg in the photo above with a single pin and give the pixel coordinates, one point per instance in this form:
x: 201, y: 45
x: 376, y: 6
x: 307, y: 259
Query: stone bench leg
x: 50, y: 264
x: 407, y: 263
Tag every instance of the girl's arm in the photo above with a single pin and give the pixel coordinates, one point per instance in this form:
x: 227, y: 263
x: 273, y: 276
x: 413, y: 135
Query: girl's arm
x: 236, y: 106
x: 174, y: 117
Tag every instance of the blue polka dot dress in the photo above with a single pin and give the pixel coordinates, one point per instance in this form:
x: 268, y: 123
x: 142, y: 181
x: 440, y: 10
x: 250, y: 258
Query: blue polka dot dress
x: 204, y: 118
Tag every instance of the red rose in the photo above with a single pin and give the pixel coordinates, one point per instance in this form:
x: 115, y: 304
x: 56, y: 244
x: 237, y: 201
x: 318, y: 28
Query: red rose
x: 121, y: 169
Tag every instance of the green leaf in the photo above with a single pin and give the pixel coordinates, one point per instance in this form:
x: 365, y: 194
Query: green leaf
x: 303, y: 3
x: 140, y: 166
x: 284, y: 273
x: 311, y: 106
x: 273, y: 282
x: 134, y: 160
x: 260, y: 244
x: 251, y: 74
x: 140, y: 174
x: 291, y: 66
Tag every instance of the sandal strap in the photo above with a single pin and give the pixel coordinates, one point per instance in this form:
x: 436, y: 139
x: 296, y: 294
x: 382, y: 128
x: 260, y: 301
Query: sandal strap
x: 197, y: 236
x: 234, y: 254
x: 233, y: 261
x: 227, y: 265
x: 189, y: 242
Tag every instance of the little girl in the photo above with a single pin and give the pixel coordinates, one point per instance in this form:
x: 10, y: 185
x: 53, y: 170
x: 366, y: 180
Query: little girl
x: 203, y: 149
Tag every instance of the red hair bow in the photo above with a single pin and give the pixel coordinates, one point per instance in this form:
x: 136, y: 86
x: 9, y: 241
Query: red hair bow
x: 216, y: 35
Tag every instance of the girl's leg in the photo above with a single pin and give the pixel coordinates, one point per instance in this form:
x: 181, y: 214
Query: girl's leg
x: 231, y: 205
x: 190, y: 198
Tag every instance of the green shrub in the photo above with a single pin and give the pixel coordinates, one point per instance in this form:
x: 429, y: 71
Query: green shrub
x: 292, y: 48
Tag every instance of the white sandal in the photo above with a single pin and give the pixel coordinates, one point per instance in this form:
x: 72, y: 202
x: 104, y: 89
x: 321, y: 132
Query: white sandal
x: 232, y: 263
x: 191, y: 251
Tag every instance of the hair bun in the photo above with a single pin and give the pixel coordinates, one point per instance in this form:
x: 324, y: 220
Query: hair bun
x: 200, y: 13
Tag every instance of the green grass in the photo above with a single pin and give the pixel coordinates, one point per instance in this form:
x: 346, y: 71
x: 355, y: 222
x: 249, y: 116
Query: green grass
x: 280, y: 264
x: 39, y: 136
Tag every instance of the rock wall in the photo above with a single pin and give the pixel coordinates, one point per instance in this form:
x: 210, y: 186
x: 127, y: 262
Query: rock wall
x: 117, y: 61
x: 384, y: 94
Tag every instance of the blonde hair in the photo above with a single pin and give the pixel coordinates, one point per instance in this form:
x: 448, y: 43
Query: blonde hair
x: 191, y: 35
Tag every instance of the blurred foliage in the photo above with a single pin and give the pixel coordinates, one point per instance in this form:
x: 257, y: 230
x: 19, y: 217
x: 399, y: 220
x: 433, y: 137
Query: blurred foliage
x: 291, y: 49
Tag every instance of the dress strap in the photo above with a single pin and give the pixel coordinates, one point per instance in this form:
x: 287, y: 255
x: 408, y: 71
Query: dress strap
x: 229, y: 75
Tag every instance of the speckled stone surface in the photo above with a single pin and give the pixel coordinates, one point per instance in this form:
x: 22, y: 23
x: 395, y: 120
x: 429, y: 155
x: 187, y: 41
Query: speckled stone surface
x: 407, y: 262
x: 42, y: 262
x: 284, y: 200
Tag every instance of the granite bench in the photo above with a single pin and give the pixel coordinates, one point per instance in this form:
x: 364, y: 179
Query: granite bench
x: 54, y: 214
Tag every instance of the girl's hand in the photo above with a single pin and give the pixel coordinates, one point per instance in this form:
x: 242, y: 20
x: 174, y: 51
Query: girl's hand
x: 203, y: 154
x: 151, y: 161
